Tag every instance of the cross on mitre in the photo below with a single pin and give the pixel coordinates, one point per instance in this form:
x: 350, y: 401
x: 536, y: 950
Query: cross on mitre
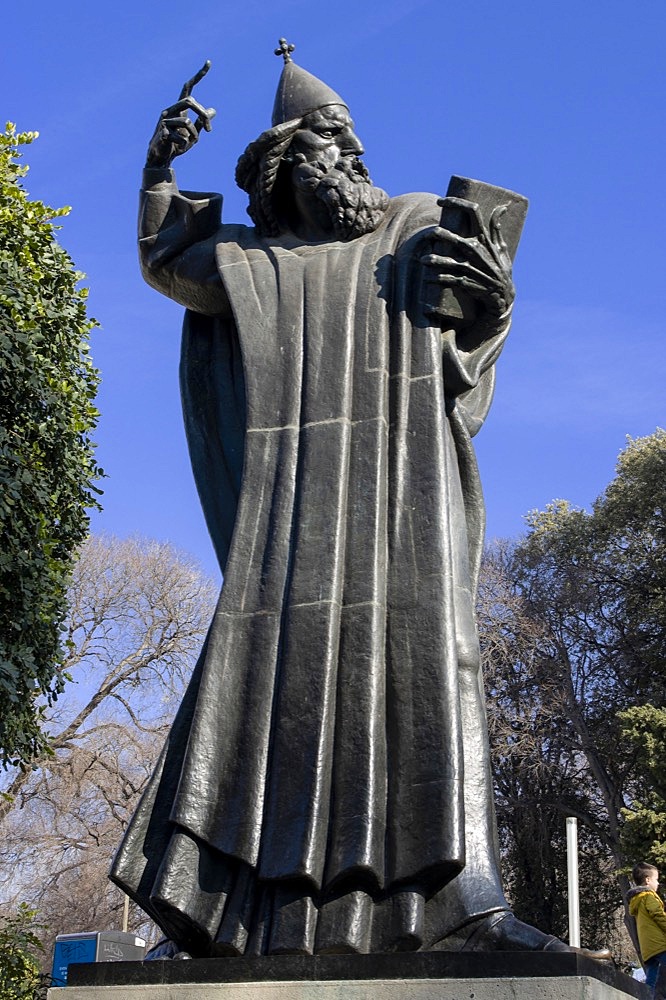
x: 284, y: 50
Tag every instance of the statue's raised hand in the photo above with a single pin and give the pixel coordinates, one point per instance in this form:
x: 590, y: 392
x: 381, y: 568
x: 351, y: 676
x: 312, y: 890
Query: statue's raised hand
x: 176, y: 132
x: 475, y: 267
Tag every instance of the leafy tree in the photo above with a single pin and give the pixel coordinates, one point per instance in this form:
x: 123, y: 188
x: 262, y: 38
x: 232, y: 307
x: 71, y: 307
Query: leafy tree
x: 20, y: 976
x: 47, y: 468
x: 138, y: 613
x: 582, y: 627
x: 644, y: 831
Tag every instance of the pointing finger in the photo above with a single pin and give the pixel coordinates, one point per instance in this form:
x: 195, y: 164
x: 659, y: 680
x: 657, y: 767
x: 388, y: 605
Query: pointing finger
x: 190, y: 84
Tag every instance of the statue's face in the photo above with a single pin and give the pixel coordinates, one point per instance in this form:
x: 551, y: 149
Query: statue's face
x: 331, y: 188
x: 325, y: 136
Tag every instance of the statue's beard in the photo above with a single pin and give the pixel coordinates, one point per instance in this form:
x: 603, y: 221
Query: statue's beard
x: 345, y: 196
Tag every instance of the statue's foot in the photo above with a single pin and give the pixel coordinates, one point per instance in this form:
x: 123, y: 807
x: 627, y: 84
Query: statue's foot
x: 503, y: 932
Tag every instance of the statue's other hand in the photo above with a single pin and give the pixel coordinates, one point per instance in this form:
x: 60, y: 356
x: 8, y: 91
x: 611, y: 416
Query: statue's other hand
x: 175, y: 132
x: 478, y: 267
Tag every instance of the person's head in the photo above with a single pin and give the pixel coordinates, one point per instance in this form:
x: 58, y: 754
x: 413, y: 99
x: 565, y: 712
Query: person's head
x: 646, y: 875
x: 304, y: 173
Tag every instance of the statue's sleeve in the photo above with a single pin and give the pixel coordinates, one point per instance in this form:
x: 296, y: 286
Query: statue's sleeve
x: 177, y: 236
x: 468, y: 366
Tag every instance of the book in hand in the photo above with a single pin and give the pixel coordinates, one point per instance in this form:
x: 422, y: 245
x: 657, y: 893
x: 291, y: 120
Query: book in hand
x: 454, y: 304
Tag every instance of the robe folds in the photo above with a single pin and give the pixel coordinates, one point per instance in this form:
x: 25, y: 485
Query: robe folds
x: 310, y: 795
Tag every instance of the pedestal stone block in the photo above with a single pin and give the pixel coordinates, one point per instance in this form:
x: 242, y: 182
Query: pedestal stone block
x: 551, y: 988
x: 420, y: 976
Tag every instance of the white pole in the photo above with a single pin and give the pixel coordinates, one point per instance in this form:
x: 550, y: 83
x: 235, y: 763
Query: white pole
x: 126, y: 911
x: 572, y: 881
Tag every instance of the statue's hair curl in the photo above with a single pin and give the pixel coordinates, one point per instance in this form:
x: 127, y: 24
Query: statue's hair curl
x: 257, y: 170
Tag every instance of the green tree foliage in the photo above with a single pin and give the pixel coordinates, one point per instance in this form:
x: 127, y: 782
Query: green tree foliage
x: 47, y: 468
x: 582, y: 637
x: 20, y: 976
x: 644, y: 831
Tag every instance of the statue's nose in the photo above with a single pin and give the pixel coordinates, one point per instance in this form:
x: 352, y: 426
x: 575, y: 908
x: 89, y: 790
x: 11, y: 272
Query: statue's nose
x: 352, y: 144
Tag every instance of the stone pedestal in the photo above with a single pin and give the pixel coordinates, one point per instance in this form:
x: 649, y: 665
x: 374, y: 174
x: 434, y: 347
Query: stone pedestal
x: 552, y: 988
x: 416, y: 976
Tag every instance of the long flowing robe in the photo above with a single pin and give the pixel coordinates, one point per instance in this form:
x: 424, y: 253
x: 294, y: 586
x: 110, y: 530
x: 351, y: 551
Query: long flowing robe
x: 310, y: 797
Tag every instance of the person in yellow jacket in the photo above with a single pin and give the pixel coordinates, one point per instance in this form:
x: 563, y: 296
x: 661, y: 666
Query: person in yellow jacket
x: 648, y: 911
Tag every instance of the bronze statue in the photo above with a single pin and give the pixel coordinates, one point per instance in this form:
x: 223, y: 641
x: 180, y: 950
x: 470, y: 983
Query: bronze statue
x: 326, y: 785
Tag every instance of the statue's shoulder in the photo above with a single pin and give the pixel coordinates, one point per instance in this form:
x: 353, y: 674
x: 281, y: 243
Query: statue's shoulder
x: 234, y: 235
x: 418, y: 208
x: 249, y: 238
x: 236, y: 232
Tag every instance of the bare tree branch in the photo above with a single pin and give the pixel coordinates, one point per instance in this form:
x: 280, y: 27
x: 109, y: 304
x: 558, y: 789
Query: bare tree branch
x: 139, y: 612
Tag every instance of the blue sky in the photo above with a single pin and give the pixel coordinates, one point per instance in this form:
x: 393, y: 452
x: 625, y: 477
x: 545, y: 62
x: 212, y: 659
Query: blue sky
x: 563, y: 103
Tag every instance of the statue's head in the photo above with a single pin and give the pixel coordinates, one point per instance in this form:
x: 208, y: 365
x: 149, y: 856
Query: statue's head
x: 304, y: 173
